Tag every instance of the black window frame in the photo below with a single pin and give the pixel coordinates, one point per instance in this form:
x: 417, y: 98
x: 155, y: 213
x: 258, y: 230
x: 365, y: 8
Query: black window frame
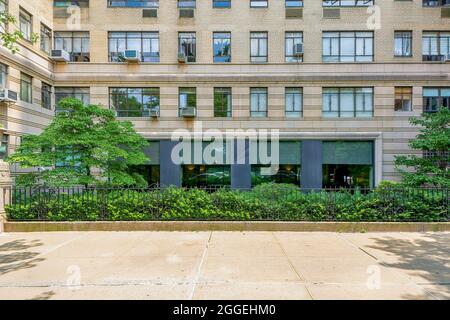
x: 83, y: 56
x: 46, y: 96
x: 266, y: 38
x: 355, y: 111
x: 404, y: 36
x: 215, y: 33
x: 187, y: 4
x: 292, y: 4
x: 441, y: 101
x: 439, y: 35
x: 215, y: 2
x: 29, y: 85
x: 338, y: 3
x: 144, y: 91
x: 193, y: 37
x: 117, y: 57
x: 185, y: 91
x: 259, y: 113
x: 292, y: 58
x: 225, y: 96
x: 46, y: 33
x: 355, y: 38
x: 293, y: 113
x: 401, y: 97
x: 75, y: 92
x: 127, y: 4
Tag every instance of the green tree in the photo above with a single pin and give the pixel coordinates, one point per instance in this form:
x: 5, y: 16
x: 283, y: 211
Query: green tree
x: 9, y: 39
x: 434, y: 138
x: 80, y: 141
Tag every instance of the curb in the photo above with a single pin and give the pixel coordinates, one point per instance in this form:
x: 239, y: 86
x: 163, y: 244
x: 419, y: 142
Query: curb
x: 227, y: 226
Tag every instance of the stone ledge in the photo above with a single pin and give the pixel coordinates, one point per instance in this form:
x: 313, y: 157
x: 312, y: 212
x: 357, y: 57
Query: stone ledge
x: 10, y: 226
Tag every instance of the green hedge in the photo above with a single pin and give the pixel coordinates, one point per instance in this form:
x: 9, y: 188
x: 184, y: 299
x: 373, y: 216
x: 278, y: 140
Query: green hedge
x: 265, y: 202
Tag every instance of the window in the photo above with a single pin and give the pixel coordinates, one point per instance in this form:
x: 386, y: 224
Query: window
x: 435, y: 98
x: 258, y: 102
x: 221, y: 3
x: 294, y: 103
x: 26, y: 87
x: 133, y: 3
x: 222, y: 102
x: 25, y: 24
x: 75, y: 43
x: 68, y: 3
x: 187, y: 98
x: 3, y: 74
x: 403, y: 43
x: 134, y: 102
x: 347, y: 3
x: 222, y: 46
x: 146, y: 43
x: 435, y: 3
x: 81, y: 94
x: 294, y: 3
x: 46, y: 96
x: 347, y: 102
x: 206, y: 175
x: 258, y: 46
x: 347, y: 164
x: 186, y: 3
x: 4, y: 147
x: 46, y: 39
x: 259, y: 3
x: 187, y: 45
x: 294, y: 46
x: 3, y: 6
x: 435, y: 46
x: 403, y: 99
x: 347, y: 46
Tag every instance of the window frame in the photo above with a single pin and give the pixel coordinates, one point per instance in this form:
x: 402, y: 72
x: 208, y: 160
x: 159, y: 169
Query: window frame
x: 221, y: 7
x: 404, y: 39
x: 154, y: 92
x: 214, y: 44
x: 259, y: 39
x: 259, y: 113
x: 440, y: 99
x: 225, y: 109
x: 439, y: 39
x: 46, y: 96
x: 25, y: 18
x: 193, y: 92
x: 4, y: 75
x: 332, y: 58
x: 187, y: 4
x: 399, y: 96
x: 74, y: 36
x: 287, y: 2
x: 288, y: 58
x: 193, y: 38
x: 75, y: 92
x: 28, y: 85
x: 46, y: 33
x: 254, y: 2
x: 153, y: 35
x: 143, y: 6
x: 339, y: 91
x: 293, y: 113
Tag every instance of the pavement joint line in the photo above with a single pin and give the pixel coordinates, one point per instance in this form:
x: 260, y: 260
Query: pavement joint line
x: 411, y: 281
x: 195, y: 281
x: 301, y: 278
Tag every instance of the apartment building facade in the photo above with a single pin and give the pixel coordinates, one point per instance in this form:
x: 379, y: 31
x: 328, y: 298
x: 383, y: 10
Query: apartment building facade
x: 339, y: 79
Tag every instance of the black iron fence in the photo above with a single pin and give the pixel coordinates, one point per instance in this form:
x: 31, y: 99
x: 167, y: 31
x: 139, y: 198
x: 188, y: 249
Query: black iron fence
x: 264, y: 202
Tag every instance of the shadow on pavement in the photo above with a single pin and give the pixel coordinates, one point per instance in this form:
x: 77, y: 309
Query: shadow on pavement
x: 14, y: 255
x: 426, y: 259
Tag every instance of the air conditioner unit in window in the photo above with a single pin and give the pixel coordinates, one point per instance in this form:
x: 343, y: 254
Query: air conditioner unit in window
x: 188, y: 112
x: 132, y: 56
x: 154, y: 113
x: 8, y: 96
x: 298, y: 50
x: 186, y: 13
x: 60, y: 56
x: 181, y: 57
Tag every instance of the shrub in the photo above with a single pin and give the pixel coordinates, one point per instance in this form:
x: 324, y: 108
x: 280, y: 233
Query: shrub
x: 264, y: 202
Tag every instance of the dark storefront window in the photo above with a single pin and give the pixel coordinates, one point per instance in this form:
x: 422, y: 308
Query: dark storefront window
x: 206, y: 175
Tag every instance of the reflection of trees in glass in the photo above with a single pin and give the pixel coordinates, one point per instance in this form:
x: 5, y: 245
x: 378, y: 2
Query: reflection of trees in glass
x: 286, y: 174
x: 206, y: 175
x: 134, y: 102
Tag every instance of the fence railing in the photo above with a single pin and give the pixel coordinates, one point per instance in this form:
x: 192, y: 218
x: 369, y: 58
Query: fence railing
x: 265, y: 202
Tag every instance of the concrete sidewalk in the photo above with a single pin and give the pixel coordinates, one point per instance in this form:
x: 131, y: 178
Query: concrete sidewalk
x: 224, y: 265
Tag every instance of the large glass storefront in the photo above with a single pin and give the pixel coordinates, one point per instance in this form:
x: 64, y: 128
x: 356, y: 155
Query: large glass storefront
x: 289, y: 167
x: 347, y: 164
x: 206, y: 175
